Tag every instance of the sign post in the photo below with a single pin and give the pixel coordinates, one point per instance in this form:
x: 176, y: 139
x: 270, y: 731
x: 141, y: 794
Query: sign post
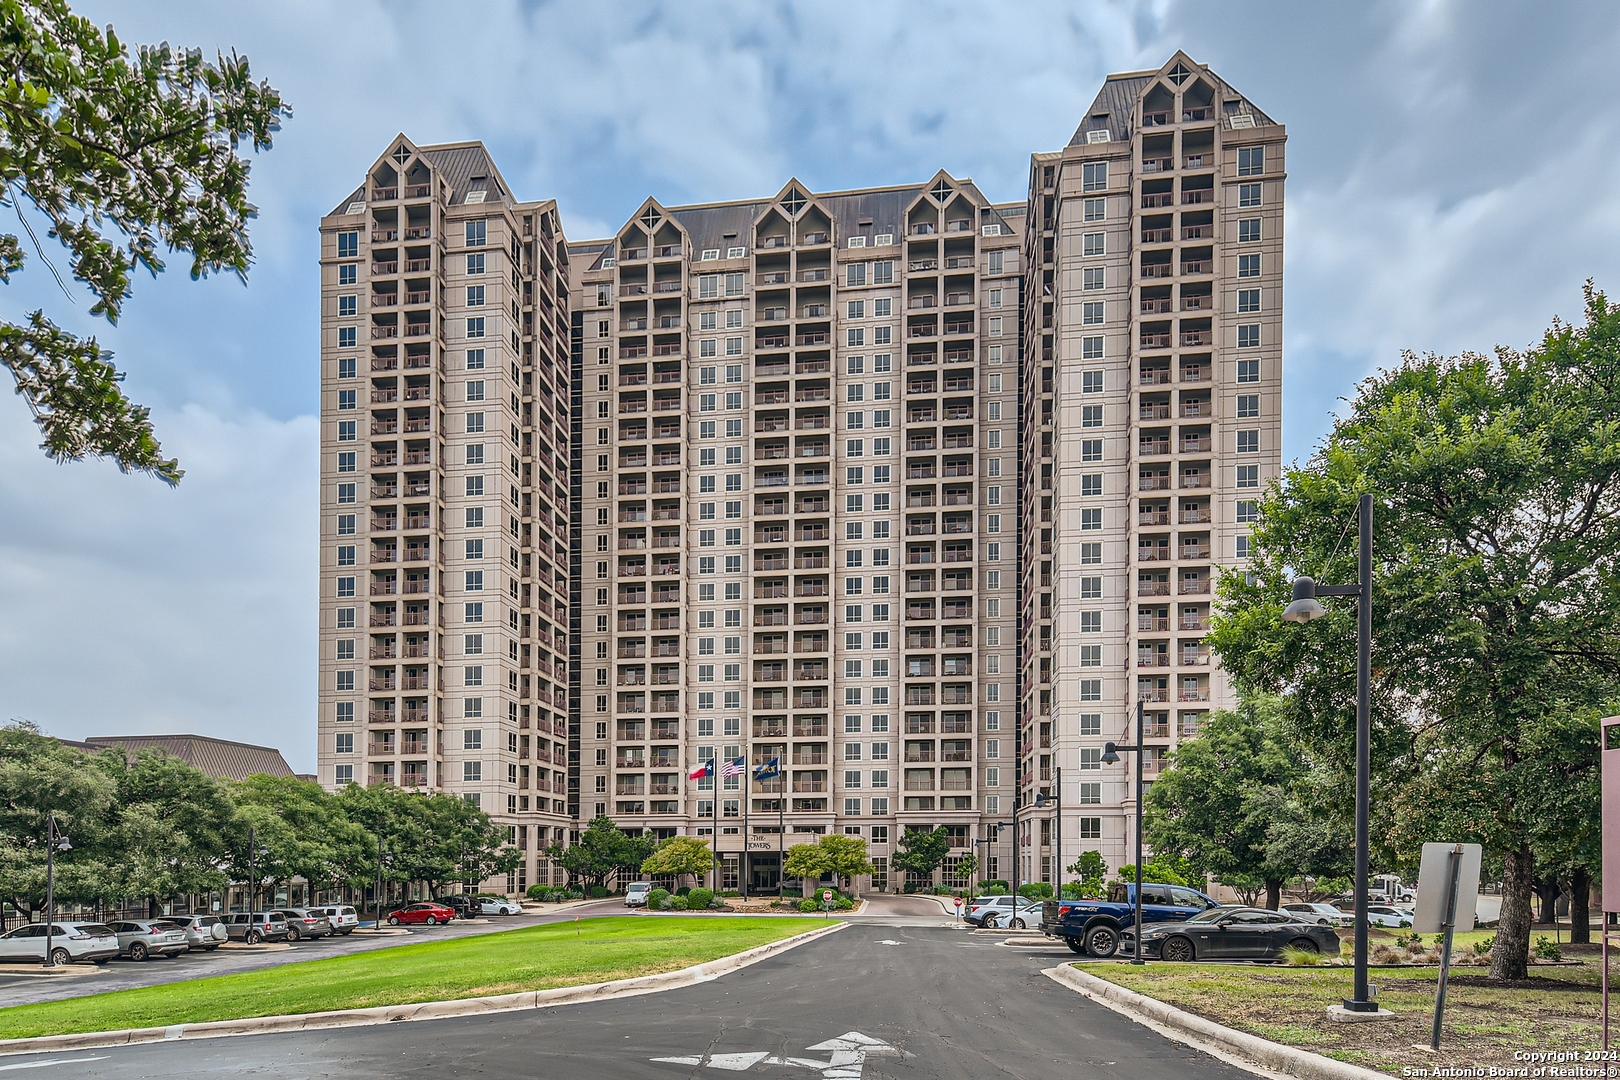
x: 1448, y: 881
x: 1610, y: 757
x: 958, y: 908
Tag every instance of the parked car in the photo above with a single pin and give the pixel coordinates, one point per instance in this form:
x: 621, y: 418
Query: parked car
x: 69, y: 941
x: 1321, y: 914
x: 303, y: 923
x: 1094, y: 926
x: 1234, y: 933
x: 635, y: 894
x: 342, y: 917
x: 1386, y: 915
x: 141, y: 938
x: 487, y: 906
x: 257, y: 927
x: 993, y: 911
x: 429, y: 913
x: 205, y: 932
x: 464, y: 906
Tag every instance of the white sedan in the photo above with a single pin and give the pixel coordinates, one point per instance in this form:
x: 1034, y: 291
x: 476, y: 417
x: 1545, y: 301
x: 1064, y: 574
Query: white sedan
x: 1387, y: 916
x: 498, y: 907
x: 1321, y: 914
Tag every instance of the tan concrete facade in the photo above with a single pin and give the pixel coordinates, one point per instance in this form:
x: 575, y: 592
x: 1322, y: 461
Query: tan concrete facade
x: 444, y: 492
x: 798, y: 469
x: 1152, y: 420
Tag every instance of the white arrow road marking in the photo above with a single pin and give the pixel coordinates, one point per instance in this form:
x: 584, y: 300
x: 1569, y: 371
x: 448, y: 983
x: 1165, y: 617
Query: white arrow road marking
x: 44, y: 1064
x: 888, y: 941
x: 846, y: 1060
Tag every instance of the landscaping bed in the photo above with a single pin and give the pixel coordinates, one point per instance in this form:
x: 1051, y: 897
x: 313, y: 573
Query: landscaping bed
x: 533, y: 958
x: 1557, y: 1008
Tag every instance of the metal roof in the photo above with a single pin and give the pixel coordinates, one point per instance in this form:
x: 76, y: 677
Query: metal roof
x: 216, y: 757
x: 1117, y: 99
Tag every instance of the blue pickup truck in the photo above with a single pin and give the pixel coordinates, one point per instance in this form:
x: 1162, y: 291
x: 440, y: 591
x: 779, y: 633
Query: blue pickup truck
x: 1092, y: 927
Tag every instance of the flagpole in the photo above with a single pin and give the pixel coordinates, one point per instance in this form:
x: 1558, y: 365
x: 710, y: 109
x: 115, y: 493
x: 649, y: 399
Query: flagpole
x: 714, y: 767
x: 745, y: 860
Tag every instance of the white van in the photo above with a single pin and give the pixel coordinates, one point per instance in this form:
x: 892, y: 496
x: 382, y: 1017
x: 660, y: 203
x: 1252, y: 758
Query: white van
x: 635, y: 894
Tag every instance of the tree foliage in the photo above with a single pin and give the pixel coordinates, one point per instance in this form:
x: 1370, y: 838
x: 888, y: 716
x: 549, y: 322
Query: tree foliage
x: 843, y: 857
x: 920, y: 851
x: 678, y: 856
x: 123, y: 156
x: 1496, y: 596
x: 603, y: 849
x: 1090, y: 869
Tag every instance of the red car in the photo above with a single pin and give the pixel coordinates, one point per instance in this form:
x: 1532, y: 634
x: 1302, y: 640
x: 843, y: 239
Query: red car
x: 431, y: 914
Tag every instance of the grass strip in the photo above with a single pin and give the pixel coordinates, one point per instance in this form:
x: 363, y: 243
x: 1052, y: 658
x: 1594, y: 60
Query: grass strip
x: 534, y: 958
x: 1485, y: 1021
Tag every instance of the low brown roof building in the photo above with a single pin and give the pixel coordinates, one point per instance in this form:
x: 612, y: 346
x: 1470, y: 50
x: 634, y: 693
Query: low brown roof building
x: 216, y: 757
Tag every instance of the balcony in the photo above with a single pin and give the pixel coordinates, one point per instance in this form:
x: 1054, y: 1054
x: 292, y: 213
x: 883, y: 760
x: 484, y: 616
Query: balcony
x: 1155, y: 200
x: 1195, y: 587
x: 1194, y: 516
x: 1195, y: 551
x: 1196, y: 444
x: 1198, y: 197
x: 1195, y: 338
x: 1195, y: 373
x: 1198, y: 232
x: 1157, y: 236
x: 1158, y: 165
x: 1195, y: 658
x: 1192, y: 622
x: 1153, y: 447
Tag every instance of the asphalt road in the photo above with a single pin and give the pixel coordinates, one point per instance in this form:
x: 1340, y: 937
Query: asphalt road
x: 922, y: 1002
x: 19, y: 986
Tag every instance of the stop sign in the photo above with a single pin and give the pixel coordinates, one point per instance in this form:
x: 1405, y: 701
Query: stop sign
x: 826, y: 896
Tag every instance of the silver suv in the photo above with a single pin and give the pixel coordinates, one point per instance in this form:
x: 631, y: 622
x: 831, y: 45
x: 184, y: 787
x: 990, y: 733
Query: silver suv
x: 141, y: 938
x: 342, y: 917
x: 205, y: 932
x: 69, y: 941
x: 305, y: 923
x: 255, y: 928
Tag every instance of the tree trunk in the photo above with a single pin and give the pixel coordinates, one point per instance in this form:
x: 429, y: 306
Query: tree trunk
x: 1580, y: 918
x: 1510, y: 957
x: 1546, y: 890
x: 1273, y: 894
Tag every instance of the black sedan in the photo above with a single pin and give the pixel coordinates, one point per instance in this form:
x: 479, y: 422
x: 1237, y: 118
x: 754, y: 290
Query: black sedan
x: 1235, y: 933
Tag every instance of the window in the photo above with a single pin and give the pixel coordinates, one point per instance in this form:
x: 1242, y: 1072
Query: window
x: 345, y: 493
x: 472, y: 771
x: 1248, y: 405
x: 1091, y: 313
x: 1251, y: 160
x: 344, y: 773
x: 1094, y: 278
x: 346, y: 305
x: 1094, y: 176
x: 347, y: 275
x: 346, y: 431
x: 472, y: 706
x: 1248, y: 442
x: 1241, y: 548
x: 1091, y: 485
x: 1091, y: 382
x: 882, y: 274
x: 345, y: 618
x: 346, y: 367
x: 1095, y: 243
x: 734, y: 284
x: 348, y: 245
x: 1248, y: 266
x: 997, y: 262
x: 476, y: 233
x: 1091, y: 520
x: 1248, y: 336
x: 1248, y: 300
x: 475, y: 328
x: 475, y: 296
x: 1090, y: 554
x: 475, y: 423
x: 1091, y: 450
x: 1247, y: 511
x: 475, y: 485
x: 475, y: 517
x: 474, y: 581
x: 1248, y: 230
x: 345, y: 680
x: 1248, y: 476
x: 1248, y: 194
x: 1091, y: 348
x: 855, y: 273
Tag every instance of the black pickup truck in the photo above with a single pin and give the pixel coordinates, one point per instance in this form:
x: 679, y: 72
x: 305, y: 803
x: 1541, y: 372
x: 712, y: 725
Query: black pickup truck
x: 1092, y: 927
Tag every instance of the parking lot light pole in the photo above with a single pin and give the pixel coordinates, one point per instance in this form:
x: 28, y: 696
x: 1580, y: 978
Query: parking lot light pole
x: 1056, y: 800
x: 1303, y: 609
x: 1110, y: 756
x: 54, y: 842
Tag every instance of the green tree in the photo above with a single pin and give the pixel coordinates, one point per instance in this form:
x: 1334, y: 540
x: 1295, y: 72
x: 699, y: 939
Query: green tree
x: 1496, y: 603
x: 603, y: 849
x: 679, y: 856
x: 39, y: 775
x: 1216, y: 803
x: 844, y: 857
x: 306, y: 831
x: 120, y: 156
x: 922, y: 850
x: 1161, y: 869
x: 168, y: 829
x: 967, y: 869
x: 1090, y: 870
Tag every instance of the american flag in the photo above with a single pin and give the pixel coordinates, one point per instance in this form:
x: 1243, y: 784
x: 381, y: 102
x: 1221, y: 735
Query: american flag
x: 734, y: 767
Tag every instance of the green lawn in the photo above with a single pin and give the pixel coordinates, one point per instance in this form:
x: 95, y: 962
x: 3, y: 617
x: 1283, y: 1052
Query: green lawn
x: 1557, y: 1007
x: 534, y: 958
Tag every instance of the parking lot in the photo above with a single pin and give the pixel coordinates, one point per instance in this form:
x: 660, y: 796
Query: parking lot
x: 24, y: 983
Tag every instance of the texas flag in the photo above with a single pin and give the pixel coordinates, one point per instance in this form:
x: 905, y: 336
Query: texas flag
x: 704, y: 770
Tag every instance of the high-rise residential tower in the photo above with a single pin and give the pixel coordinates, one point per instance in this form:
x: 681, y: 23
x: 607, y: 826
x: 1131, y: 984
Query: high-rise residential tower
x: 444, y: 492
x: 1151, y: 420
x: 797, y: 530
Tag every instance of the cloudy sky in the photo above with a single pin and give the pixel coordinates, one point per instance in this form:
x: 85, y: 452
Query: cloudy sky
x: 1450, y: 188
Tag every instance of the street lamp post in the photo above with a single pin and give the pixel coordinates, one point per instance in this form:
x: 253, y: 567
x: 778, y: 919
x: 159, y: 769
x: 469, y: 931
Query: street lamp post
x: 54, y: 842
x: 1303, y: 609
x: 1111, y: 752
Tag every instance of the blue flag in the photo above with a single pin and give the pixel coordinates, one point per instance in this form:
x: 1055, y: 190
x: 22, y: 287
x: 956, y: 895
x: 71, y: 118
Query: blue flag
x: 770, y: 770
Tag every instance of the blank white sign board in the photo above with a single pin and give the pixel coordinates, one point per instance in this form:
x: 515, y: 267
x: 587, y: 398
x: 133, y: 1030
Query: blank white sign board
x: 1434, y: 879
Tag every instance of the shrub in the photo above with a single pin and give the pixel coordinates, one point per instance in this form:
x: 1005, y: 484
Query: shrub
x: 677, y: 903
x: 684, y: 890
x: 699, y: 899
x: 658, y: 899
x: 1484, y: 945
x: 1547, y: 949
x: 598, y: 892
x: 538, y: 892
x: 845, y: 903
x: 1301, y: 957
x: 1035, y: 889
x: 731, y: 894
x: 807, y: 905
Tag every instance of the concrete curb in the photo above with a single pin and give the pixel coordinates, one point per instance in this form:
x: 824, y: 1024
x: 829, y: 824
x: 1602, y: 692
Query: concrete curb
x: 426, y: 1010
x: 1152, y: 1012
